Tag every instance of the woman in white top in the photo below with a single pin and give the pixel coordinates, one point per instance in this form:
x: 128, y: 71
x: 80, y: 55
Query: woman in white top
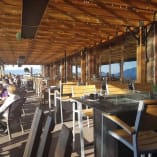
x: 12, y: 92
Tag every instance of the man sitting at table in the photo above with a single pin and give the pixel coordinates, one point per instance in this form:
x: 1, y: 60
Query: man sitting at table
x: 4, y: 109
x: 3, y: 93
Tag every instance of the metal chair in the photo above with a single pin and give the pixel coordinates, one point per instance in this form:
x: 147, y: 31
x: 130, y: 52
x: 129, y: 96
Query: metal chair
x: 14, y: 114
x: 142, y: 137
x: 81, y: 91
x: 63, y: 96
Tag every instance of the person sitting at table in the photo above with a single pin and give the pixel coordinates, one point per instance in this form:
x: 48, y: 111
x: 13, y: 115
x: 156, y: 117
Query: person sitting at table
x: 44, y: 92
x: 12, y: 92
x: 5, y: 83
x: 3, y: 92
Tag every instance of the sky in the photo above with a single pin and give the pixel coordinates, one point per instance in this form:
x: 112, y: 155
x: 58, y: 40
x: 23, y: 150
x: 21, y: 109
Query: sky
x: 20, y: 70
x: 15, y: 67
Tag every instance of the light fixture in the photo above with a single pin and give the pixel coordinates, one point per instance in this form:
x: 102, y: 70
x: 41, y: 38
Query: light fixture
x: 21, y: 60
x: 18, y: 36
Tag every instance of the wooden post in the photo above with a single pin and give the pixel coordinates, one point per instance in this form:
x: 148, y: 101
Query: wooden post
x: 122, y: 64
x: 109, y: 76
x: 141, y: 58
x: 62, y: 70
x: 83, y: 67
x: 92, y: 65
x: 155, y: 54
x: 141, y: 65
x: 69, y: 69
x: 65, y: 67
x: 76, y: 77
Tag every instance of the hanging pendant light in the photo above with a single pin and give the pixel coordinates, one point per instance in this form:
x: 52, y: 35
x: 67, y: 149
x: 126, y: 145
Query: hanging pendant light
x: 18, y: 36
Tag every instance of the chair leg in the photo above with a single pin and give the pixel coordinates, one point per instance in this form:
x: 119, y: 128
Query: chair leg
x: 21, y: 126
x: 81, y: 130
x: 55, y: 106
x: 50, y: 99
x: 88, y: 121
x: 102, y: 136
x: 61, y: 110
x: 87, y: 118
x: 23, y: 111
x: 78, y: 114
x: 9, y: 133
x: 73, y: 126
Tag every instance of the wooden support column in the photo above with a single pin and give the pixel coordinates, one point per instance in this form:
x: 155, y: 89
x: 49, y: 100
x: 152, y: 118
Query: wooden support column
x: 97, y: 68
x: 57, y: 72
x: 141, y: 65
x: 76, y: 77
x: 54, y: 72
x: 87, y: 67
x: 122, y: 64
x: 151, y: 54
x: 121, y: 71
x: 69, y: 69
x: 83, y: 67
x: 46, y: 70
x: 109, y: 76
x: 65, y: 67
x: 92, y: 65
x: 51, y: 74
x: 155, y: 44
x: 62, y: 70
x: 141, y: 58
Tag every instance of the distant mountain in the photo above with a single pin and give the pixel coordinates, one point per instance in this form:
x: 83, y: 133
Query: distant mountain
x: 21, y: 71
x: 128, y: 74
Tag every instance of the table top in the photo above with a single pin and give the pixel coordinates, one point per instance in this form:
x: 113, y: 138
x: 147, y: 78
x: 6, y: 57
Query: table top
x: 114, y: 104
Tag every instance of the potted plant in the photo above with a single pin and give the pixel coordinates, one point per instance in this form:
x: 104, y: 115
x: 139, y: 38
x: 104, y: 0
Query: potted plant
x: 154, y: 91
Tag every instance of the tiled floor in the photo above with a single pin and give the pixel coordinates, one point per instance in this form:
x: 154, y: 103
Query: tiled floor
x: 15, y: 147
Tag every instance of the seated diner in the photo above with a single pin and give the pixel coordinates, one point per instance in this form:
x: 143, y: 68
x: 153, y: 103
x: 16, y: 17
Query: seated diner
x: 12, y: 92
x: 3, y: 93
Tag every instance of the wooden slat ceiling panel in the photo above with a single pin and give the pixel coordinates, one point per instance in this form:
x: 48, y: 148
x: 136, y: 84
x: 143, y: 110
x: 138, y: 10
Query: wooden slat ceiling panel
x: 70, y: 26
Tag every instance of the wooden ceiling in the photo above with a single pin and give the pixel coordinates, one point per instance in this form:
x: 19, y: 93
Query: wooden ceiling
x: 68, y: 26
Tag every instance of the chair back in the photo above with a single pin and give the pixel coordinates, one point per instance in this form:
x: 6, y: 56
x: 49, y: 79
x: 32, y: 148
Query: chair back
x: 66, y: 89
x: 147, y: 115
x: 15, y: 109
x: 90, y: 89
x: 45, y: 138
x: 34, y: 135
x: 78, y: 91
x: 64, y: 143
